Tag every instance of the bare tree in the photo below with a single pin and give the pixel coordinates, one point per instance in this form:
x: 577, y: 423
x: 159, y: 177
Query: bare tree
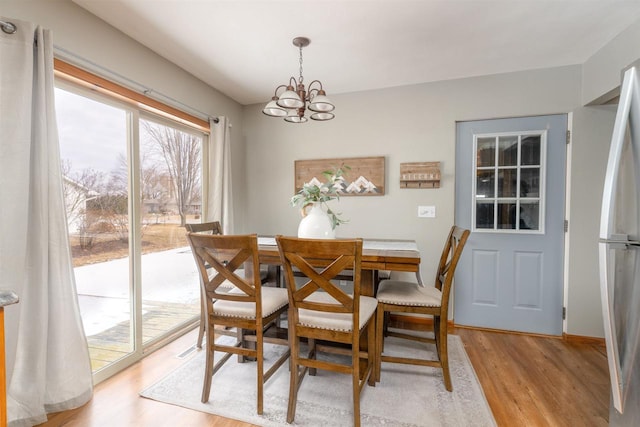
x: 180, y: 153
x: 119, y: 179
x: 79, y: 188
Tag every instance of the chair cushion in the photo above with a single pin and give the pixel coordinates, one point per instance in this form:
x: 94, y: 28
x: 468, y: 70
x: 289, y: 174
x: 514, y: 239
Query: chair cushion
x: 272, y: 300
x: 408, y: 293
x: 335, y: 321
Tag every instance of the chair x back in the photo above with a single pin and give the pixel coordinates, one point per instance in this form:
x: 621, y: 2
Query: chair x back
x: 320, y: 310
x: 204, y: 228
x: 271, y: 274
x: 409, y: 297
x: 232, y: 300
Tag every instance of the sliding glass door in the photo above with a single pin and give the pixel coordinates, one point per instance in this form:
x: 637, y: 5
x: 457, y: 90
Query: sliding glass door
x: 171, y: 196
x: 131, y: 182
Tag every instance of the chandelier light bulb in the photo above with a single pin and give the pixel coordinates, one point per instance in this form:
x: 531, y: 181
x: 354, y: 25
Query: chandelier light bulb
x: 290, y: 99
x: 294, y: 117
x: 321, y: 103
x: 272, y: 109
x: 321, y: 117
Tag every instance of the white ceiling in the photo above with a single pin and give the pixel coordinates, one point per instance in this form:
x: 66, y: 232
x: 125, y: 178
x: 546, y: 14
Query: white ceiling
x: 244, y: 48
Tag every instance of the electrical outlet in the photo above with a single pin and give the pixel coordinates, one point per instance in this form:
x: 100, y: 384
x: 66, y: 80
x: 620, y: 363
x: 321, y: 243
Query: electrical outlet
x: 426, y: 211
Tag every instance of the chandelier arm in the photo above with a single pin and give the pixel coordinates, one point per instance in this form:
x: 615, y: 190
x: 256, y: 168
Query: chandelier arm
x: 315, y: 81
x: 275, y: 92
x: 314, y: 91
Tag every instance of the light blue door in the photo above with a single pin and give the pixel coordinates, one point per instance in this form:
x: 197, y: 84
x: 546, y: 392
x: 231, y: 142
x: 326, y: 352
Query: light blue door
x: 510, y: 192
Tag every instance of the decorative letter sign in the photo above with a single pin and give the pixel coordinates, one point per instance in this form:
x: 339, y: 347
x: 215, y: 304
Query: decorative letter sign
x: 420, y: 175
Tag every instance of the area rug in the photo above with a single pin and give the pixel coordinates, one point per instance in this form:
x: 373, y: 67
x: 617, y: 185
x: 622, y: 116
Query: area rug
x: 406, y: 396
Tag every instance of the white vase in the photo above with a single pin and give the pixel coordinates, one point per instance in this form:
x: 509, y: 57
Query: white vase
x: 316, y: 224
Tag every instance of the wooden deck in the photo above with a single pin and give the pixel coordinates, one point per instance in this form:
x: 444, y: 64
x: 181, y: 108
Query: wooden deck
x: 158, y: 318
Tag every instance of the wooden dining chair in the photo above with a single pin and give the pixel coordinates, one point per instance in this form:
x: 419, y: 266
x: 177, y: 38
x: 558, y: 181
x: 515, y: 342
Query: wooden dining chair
x: 320, y: 310
x: 409, y: 297
x: 212, y: 227
x: 233, y: 300
x: 204, y: 228
x: 272, y: 274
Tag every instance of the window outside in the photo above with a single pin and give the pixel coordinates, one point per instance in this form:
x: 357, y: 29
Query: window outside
x: 508, y: 183
x: 135, y: 276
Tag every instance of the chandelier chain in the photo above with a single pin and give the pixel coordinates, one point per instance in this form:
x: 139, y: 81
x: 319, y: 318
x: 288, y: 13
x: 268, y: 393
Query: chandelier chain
x: 301, y: 78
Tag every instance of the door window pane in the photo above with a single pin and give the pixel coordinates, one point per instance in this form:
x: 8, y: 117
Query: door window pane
x: 485, y: 183
x: 486, y: 152
x: 531, y: 146
x: 514, y: 202
x: 507, y: 215
x: 484, y: 215
x: 529, y: 215
x: 508, y: 183
x: 508, y: 150
x: 530, y: 182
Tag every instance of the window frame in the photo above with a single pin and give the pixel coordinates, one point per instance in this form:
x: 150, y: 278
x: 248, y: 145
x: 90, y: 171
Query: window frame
x: 137, y: 107
x: 517, y: 199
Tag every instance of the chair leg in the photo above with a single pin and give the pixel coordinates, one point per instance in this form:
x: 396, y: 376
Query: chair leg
x: 436, y: 334
x: 240, y: 338
x: 260, y: 367
x: 208, y: 372
x: 387, y: 317
x: 379, y: 341
x: 355, y: 380
x: 293, y: 378
x: 312, y: 355
x: 443, y: 354
x: 371, y: 351
x: 203, y: 320
x: 200, y: 332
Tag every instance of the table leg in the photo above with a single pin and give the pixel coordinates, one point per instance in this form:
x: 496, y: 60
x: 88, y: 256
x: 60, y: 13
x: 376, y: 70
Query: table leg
x: 367, y: 282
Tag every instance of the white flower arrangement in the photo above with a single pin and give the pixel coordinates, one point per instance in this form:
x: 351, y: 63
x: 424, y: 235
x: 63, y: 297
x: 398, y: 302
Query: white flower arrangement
x: 315, y: 191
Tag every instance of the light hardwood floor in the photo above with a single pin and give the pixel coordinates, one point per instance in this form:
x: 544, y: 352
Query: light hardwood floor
x: 528, y: 381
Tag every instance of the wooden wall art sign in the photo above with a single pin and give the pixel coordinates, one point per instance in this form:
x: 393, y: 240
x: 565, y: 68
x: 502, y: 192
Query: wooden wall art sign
x: 364, y: 178
x: 420, y: 175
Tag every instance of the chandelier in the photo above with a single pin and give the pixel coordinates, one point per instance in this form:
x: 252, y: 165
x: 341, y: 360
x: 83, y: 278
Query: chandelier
x: 292, y: 103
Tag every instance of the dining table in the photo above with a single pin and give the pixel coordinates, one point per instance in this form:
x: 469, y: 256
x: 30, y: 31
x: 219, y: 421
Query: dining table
x: 377, y: 255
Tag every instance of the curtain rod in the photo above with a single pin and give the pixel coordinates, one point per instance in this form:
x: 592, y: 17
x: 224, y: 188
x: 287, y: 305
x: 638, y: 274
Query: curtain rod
x: 8, y: 27
x: 72, y: 57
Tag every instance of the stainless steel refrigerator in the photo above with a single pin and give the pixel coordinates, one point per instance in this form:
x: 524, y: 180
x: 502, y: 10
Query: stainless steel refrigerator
x: 619, y: 249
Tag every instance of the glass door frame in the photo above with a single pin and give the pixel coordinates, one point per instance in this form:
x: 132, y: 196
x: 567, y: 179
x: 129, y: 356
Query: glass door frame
x: 137, y: 275
x: 134, y: 205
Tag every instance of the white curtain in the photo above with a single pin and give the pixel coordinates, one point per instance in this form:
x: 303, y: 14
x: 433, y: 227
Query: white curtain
x: 219, y: 200
x: 48, y: 366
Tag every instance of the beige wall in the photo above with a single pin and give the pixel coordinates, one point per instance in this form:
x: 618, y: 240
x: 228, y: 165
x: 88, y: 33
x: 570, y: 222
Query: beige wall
x: 602, y: 72
x: 413, y: 123
x: 592, y: 128
x: 417, y: 123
